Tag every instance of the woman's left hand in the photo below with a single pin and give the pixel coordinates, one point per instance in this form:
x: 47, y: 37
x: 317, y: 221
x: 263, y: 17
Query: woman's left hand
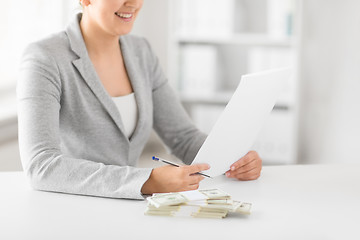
x: 247, y: 168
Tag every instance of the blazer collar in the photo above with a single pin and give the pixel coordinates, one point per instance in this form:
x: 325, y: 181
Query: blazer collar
x: 76, y: 39
x: 87, y: 70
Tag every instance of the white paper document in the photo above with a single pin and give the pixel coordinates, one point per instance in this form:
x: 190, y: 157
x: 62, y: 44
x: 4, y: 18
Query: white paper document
x: 236, y: 130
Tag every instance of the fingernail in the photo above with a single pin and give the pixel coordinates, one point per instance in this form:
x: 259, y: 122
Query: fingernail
x: 228, y: 174
x: 232, y: 168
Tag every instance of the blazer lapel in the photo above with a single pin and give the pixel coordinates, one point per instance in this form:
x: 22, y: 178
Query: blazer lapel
x: 85, y: 67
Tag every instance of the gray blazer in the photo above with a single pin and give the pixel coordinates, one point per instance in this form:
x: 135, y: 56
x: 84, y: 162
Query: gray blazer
x: 71, y: 136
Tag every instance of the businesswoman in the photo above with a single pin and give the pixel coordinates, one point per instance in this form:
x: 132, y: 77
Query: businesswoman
x: 88, y: 98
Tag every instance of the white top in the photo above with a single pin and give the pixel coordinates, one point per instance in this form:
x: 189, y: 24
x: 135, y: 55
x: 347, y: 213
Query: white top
x: 128, y: 112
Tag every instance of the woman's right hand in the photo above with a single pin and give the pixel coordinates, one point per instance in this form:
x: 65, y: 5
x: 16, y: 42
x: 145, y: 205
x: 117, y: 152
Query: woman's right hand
x: 174, y: 179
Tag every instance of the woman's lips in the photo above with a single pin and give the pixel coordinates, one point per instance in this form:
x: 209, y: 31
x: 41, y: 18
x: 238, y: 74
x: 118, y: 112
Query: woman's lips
x: 127, y: 17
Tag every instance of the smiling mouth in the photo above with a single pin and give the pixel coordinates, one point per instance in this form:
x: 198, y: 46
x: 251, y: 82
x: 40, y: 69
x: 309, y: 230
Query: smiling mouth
x: 125, y: 16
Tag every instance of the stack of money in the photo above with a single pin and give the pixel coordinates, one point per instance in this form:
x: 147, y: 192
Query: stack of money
x: 206, y: 203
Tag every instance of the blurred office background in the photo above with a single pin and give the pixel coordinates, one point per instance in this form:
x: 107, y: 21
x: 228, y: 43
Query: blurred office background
x: 204, y: 46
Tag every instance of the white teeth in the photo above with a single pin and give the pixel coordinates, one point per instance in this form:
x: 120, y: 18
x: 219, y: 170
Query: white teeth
x: 124, y: 15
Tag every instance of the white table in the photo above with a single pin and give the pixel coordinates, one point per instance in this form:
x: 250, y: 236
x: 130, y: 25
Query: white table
x: 289, y: 202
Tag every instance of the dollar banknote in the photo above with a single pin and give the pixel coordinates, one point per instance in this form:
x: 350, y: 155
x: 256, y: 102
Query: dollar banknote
x: 167, y: 199
x: 205, y: 203
x: 215, y: 194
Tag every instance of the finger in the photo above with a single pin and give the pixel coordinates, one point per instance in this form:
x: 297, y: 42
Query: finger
x: 197, y: 168
x: 249, y: 178
x: 234, y: 174
x: 251, y: 165
x: 243, y: 169
x: 195, y: 179
x: 192, y: 187
x: 256, y: 161
x: 250, y: 156
x: 249, y: 175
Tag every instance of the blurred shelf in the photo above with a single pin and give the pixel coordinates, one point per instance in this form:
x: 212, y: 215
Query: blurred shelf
x: 219, y: 98
x: 8, y: 124
x: 8, y: 109
x: 222, y: 98
x: 208, y: 55
x: 239, y: 39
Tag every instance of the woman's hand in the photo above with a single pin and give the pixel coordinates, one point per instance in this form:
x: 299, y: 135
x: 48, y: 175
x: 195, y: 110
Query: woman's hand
x: 174, y: 179
x: 247, y: 168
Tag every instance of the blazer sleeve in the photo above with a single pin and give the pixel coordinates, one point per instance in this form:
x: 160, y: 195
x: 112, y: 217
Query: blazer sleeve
x: 171, y: 122
x: 39, y: 97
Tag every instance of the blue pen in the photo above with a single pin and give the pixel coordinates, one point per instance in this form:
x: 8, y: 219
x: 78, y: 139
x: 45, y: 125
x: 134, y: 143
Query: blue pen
x: 173, y: 164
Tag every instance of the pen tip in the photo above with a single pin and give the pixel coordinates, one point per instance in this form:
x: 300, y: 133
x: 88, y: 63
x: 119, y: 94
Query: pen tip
x: 153, y: 158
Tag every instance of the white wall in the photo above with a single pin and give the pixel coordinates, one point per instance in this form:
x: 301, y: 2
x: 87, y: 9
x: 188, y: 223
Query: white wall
x: 153, y: 23
x: 330, y: 82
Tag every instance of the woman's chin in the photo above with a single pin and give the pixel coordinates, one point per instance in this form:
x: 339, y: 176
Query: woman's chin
x: 121, y: 32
